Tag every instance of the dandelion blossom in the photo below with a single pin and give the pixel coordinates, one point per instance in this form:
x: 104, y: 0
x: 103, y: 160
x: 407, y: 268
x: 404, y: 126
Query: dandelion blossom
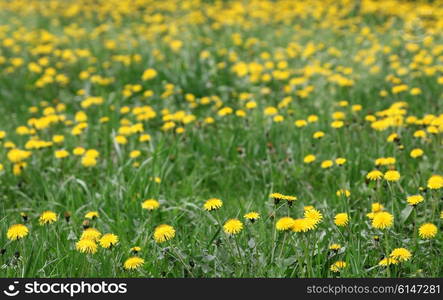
x: 134, y: 154
x: 318, y: 134
x: 90, y: 234
x: 387, y: 261
x: 338, y: 266
x: 150, y: 204
x: 435, y: 182
x: 163, y: 233
x: 343, y: 192
x: 149, y: 74
x: 340, y: 161
x: 61, y: 154
x: 401, y: 254
x: 135, y: 249
x: 86, y: 246
x: 133, y: 263
x: 309, y: 158
x: 17, y: 231
x: 382, y: 220
x: 427, y: 231
x: 252, y: 216
x: 416, y: 153
x: 326, y: 164
x: 233, y: 226
x: 374, y: 175
x: 289, y: 198
x: 47, y: 217
x: 108, y: 240
x: 314, y: 215
x: 377, y: 207
x: 341, y: 219
x: 212, y: 204
x: 79, y: 151
x: 392, y: 175
x: 91, y: 215
x: 337, y: 124
x: 414, y: 199
x: 277, y: 196
x: 302, y: 225
x: 335, y: 247
x: 284, y: 223
x: 88, y: 161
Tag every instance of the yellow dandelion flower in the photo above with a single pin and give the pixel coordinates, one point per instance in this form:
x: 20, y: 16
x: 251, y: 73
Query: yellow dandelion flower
x: 393, y: 137
x: 382, y: 220
x: 134, y: 153
x: 144, y: 138
x: 120, y: 139
x: 318, y: 134
x: 401, y: 254
x: 149, y: 74
x: 340, y: 161
x: 300, y: 123
x: 326, y: 164
x: 47, y: 217
x: 78, y: 151
x: 335, y: 247
x: 302, y: 225
x: 416, y: 153
x: 92, y: 153
x: 341, y: 219
x: 427, y: 231
x: 90, y: 234
x: 338, y: 266
x: 309, y: 159
x: 343, y: 192
x: 277, y: 118
x: 108, y: 240
x: 133, y: 263
x: 277, y: 196
x: 435, y: 182
x: 61, y: 154
x: 414, y: 199
x: 313, y: 214
x: 150, y: 204
x: 88, y: 161
x: 377, y: 207
x: 212, y: 204
x: 86, y: 246
x: 135, y: 249
x: 284, y: 223
x: 163, y: 233
x: 252, y: 216
x: 288, y: 198
x: 233, y: 226
x: 387, y: 261
x: 91, y: 215
x: 270, y: 111
x: 17, y: 231
x: 337, y: 124
x: 392, y: 175
x: 374, y: 175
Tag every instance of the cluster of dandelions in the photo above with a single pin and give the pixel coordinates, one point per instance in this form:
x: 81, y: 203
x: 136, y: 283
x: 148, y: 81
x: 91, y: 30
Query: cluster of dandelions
x: 125, y: 112
x: 91, y: 238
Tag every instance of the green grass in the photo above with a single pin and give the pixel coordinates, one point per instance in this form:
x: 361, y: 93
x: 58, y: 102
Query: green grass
x: 239, y: 160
